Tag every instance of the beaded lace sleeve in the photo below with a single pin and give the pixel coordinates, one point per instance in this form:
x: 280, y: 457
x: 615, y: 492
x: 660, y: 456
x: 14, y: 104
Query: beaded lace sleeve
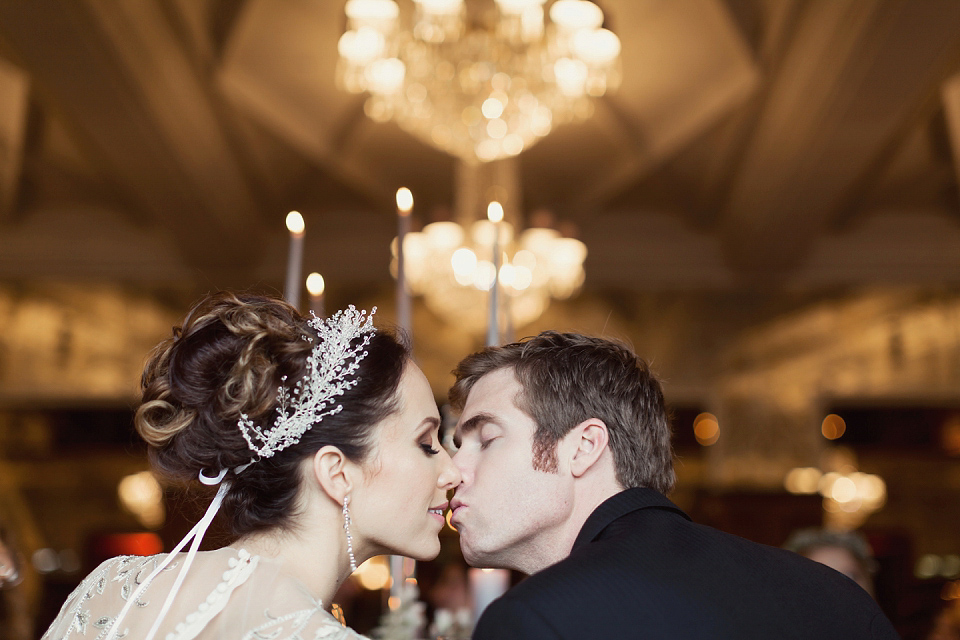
x: 86, y: 612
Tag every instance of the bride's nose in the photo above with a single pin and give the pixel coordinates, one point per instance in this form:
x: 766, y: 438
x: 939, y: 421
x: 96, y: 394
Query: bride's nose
x: 449, y: 476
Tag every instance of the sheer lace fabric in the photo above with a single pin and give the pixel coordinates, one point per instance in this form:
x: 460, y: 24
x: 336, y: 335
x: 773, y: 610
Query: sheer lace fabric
x: 227, y: 594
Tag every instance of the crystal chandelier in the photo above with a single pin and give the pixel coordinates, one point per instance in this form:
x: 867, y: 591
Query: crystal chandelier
x: 481, y: 82
x: 453, y: 265
x: 453, y: 269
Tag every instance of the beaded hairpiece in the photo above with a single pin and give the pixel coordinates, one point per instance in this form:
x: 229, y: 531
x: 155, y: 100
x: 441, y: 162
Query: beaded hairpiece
x: 330, y: 369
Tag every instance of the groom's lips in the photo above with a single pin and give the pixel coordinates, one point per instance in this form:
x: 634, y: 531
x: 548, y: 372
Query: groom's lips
x: 455, y: 506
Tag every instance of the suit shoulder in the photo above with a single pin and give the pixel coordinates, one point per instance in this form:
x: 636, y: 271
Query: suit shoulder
x: 514, y: 617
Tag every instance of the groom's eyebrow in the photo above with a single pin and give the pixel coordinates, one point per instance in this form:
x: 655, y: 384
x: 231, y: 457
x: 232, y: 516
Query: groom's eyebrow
x: 468, y: 425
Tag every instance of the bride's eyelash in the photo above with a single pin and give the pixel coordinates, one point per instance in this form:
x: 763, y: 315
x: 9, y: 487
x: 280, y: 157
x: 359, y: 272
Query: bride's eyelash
x: 428, y: 449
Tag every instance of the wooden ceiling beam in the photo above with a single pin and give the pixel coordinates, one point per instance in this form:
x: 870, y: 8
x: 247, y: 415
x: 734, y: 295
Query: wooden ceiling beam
x: 855, y: 72
x: 120, y: 77
x: 14, y: 111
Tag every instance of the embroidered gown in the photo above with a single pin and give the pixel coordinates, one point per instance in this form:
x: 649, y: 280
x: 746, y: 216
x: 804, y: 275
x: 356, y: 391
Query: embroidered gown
x: 227, y: 594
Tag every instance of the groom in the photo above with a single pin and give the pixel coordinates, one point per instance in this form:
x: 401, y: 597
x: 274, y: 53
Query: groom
x: 564, y: 447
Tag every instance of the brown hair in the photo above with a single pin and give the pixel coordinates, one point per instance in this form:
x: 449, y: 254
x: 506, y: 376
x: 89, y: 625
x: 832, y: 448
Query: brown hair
x: 566, y: 378
x: 228, y: 357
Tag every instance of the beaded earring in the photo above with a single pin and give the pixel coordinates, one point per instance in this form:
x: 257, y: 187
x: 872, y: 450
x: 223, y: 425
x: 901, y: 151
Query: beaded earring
x: 346, y: 527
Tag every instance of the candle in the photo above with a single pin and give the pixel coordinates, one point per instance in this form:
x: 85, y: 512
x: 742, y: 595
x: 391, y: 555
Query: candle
x: 495, y: 216
x: 291, y: 290
x: 486, y: 585
x: 315, y: 287
x: 404, y: 207
x: 396, y: 581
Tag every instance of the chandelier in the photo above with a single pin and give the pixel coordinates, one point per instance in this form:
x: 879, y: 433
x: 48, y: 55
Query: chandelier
x: 481, y: 82
x: 453, y: 269
x: 455, y: 266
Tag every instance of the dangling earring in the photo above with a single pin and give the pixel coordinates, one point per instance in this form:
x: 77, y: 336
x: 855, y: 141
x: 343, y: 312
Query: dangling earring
x: 346, y: 527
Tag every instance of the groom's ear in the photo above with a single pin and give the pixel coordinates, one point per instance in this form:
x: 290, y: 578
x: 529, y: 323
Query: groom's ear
x: 589, y: 440
x: 331, y: 469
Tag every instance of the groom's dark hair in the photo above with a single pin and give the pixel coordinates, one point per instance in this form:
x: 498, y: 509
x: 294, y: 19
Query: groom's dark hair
x: 566, y: 378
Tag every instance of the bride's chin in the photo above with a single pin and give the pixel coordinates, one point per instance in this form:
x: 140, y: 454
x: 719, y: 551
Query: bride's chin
x: 430, y: 553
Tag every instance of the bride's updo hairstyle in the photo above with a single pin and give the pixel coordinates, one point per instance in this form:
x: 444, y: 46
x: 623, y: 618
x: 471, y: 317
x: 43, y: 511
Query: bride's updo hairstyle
x: 229, y: 357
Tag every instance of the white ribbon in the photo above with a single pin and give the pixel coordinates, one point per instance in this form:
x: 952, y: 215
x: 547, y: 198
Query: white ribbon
x: 196, y: 535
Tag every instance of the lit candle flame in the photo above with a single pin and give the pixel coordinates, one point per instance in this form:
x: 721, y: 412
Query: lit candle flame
x: 404, y: 201
x: 315, y: 284
x: 295, y: 223
x: 494, y: 211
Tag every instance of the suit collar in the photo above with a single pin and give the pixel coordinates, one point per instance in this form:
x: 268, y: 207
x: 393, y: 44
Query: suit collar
x: 619, y: 505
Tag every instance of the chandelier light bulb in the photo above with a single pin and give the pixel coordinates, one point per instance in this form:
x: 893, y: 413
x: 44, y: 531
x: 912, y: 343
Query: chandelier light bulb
x: 361, y: 47
x: 525, y: 258
x: 571, y: 76
x: 541, y: 121
x: 444, y: 235
x: 596, y: 47
x: 517, y: 7
x: 487, y: 150
x: 315, y: 284
x: 497, y: 128
x: 484, y: 275
x: 379, y: 14
x: 404, y: 200
x: 295, y: 223
x: 492, y: 108
x: 464, y: 263
x: 572, y: 15
x: 522, y: 277
x: 366, y: 10
x: 386, y: 76
x: 506, y: 276
x: 531, y: 24
x: 440, y: 7
x: 512, y: 144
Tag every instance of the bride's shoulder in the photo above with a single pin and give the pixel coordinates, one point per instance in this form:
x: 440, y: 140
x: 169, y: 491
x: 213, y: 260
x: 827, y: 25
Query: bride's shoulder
x: 287, y: 611
x: 123, y: 570
x: 93, y: 597
x: 308, y: 624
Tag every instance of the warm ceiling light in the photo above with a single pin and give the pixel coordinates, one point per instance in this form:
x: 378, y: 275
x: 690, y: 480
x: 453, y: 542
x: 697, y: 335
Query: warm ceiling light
x: 576, y: 14
x: 371, y: 11
x: 452, y: 70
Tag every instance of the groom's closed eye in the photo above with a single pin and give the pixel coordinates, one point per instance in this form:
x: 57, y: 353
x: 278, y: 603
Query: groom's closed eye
x: 470, y: 425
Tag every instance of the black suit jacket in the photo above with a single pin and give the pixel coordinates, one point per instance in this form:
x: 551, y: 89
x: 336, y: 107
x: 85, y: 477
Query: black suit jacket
x: 641, y: 569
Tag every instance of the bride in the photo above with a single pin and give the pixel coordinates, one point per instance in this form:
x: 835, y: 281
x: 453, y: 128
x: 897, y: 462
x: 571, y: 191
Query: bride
x: 321, y: 437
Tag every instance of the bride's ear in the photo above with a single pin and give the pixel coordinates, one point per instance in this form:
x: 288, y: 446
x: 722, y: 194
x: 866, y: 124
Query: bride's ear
x: 332, y: 471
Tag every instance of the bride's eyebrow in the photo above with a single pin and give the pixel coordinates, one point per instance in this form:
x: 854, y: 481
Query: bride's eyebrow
x: 429, y: 424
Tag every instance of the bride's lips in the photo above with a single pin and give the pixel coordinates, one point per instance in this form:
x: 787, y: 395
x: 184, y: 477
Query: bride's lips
x: 438, y: 510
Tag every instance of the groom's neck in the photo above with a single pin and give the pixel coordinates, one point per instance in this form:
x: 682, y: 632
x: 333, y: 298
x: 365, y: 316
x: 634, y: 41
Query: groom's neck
x: 552, y: 546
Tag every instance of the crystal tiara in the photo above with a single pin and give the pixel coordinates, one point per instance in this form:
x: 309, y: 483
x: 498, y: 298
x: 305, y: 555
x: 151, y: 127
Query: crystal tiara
x: 330, y: 372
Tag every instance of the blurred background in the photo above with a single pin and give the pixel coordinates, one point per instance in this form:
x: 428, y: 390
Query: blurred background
x: 761, y: 196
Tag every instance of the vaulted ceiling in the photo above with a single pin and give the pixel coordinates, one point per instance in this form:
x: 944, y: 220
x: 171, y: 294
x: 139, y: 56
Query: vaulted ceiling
x: 806, y: 143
